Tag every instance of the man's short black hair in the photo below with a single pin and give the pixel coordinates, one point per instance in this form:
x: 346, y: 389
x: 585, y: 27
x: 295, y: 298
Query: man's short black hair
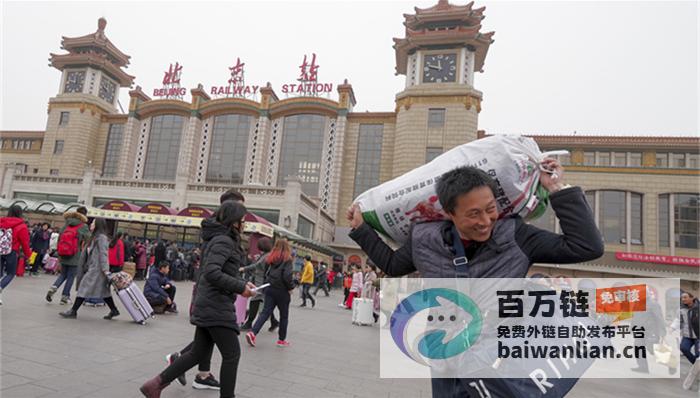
x: 459, y: 181
x: 163, y: 264
x: 307, y: 258
x: 82, y: 210
x: 231, y: 194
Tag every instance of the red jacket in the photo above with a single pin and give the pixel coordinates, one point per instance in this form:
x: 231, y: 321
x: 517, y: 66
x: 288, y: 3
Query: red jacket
x: 141, y: 257
x: 116, y: 254
x: 20, y: 234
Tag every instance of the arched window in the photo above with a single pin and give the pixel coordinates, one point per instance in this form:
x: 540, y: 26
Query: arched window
x: 302, y: 147
x: 228, y: 149
x: 369, y: 157
x: 163, y: 147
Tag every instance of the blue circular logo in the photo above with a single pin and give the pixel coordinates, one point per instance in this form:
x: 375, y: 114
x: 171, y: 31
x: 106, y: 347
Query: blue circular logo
x: 453, y: 325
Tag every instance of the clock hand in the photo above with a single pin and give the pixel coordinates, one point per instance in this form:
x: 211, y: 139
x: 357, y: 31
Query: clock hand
x: 439, y: 65
x: 431, y: 66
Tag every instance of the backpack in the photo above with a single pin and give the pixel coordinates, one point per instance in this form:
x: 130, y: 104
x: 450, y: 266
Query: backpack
x: 5, y: 241
x: 68, y: 241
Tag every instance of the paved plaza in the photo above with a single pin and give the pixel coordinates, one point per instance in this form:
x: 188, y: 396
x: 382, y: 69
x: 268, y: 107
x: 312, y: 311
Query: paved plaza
x: 44, y: 355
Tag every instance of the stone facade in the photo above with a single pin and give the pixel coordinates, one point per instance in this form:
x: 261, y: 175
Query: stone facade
x: 75, y: 172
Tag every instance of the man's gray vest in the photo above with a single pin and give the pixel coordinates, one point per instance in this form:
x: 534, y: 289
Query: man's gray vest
x: 499, y: 257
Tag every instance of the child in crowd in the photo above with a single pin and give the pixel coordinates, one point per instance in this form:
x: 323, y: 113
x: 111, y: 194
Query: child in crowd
x: 356, y: 286
x: 347, y: 282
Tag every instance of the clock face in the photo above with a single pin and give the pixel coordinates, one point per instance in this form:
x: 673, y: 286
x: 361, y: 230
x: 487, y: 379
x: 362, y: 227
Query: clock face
x: 74, y: 82
x: 439, y: 68
x: 107, y: 90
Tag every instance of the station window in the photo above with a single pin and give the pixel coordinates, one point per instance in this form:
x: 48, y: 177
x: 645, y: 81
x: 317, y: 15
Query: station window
x: 432, y: 152
x: 58, y: 147
x: 436, y: 118
x: 63, y: 120
x: 369, y: 156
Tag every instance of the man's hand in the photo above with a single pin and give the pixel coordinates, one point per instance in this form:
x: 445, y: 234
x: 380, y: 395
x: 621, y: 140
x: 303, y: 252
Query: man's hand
x: 168, y: 301
x: 551, y: 179
x: 249, y: 290
x: 354, y: 215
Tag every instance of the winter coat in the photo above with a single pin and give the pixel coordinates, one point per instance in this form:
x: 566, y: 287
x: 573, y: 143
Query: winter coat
x: 508, y: 253
x: 370, y: 276
x: 688, y: 321
x: 357, y: 281
x: 41, y: 240
x: 153, y: 290
x: 53, y: 243
x: 308, y: 274
x: 280, y: 276
x: 219, y: 281
x: 74, y: 218
x: 94, y: 282
x: 321, y: 275
x: 259, y: 268
x: 159, y: 253
x: 128, y: 250
x: 141, y: 257
x: 116, y: 254
x: 20, y: 234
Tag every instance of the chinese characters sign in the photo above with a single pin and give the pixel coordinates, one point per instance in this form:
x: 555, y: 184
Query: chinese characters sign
x: 236, y: 84
x: 308, y: 85
x: 171, y: 83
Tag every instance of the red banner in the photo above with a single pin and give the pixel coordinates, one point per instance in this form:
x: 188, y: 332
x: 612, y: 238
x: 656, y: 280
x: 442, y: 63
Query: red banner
x: 156, y: 208
x: 657, y: 258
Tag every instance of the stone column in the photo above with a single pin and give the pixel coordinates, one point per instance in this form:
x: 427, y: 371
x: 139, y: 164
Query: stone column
x: 188, y: 155
x: 85, y: 195
x: 133, y: 132
x: 269, y: 134
x: 292, y: 194
x: 334, y: 150
x: 255, y: 161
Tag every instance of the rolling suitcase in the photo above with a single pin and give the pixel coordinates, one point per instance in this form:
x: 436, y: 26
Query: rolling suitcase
x: 135, y: 303
x: 362, y: 311
x: 51, y: 265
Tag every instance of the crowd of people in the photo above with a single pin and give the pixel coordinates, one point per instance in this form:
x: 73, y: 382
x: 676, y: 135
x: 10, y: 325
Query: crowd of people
x: 93, y: 255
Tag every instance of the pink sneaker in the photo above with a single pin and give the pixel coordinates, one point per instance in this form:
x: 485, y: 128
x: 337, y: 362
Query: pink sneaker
x: 283, y: 343
x: 250, y: 338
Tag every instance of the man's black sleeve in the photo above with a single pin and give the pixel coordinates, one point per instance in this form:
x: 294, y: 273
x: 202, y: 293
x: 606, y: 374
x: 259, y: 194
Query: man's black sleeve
x: 393, y: 263
x: 580, y: 240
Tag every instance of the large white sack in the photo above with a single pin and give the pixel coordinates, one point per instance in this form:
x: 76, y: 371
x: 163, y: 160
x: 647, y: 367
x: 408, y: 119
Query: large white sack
x: 513, y: 161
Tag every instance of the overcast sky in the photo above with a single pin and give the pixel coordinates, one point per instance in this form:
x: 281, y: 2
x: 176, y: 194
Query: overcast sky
x: 555, y: 67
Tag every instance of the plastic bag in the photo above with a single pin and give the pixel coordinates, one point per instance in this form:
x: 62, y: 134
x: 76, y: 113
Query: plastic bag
x: 513, y: 161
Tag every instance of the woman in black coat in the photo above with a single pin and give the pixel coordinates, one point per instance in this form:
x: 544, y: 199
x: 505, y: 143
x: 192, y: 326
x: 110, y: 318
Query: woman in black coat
x: 214, y: 312
x: 278, y: 294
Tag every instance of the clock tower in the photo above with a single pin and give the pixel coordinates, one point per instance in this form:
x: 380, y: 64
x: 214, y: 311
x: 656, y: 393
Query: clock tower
x: 91, y: 76
x: 442, y: 49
